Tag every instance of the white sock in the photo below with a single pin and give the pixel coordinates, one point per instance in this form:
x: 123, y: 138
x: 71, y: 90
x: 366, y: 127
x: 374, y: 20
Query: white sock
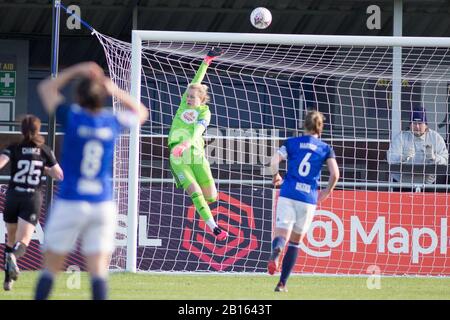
x: 211, y: 224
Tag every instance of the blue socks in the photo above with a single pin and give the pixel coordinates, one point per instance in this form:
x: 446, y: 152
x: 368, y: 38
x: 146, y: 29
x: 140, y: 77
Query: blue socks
x: 44, y: 285
x: 99, y: 288
x: 288, y: 262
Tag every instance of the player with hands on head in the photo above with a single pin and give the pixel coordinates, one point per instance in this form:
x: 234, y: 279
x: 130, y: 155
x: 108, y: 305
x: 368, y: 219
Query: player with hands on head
x: 84, y: 207
x: 188, y: 162
x: 299, y: 192
x: 30, y: 159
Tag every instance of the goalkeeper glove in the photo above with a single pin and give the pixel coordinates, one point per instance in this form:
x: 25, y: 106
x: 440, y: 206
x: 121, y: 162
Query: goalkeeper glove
x: 179, y: 149
x: 212, y: 54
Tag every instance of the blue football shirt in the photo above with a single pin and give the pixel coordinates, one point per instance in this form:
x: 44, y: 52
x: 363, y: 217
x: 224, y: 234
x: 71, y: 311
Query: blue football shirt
x: 305, y: 156
x: 88, y: 151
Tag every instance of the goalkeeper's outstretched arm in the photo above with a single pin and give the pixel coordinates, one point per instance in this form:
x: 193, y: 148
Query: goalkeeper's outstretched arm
x: 201, y: 125
x: 210, y: 56
x: 201, y: 72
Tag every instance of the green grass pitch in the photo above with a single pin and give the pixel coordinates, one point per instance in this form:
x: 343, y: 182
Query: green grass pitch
x: 152, y: 286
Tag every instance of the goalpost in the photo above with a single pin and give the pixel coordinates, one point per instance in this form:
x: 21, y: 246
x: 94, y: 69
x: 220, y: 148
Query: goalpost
x: 260, y: 89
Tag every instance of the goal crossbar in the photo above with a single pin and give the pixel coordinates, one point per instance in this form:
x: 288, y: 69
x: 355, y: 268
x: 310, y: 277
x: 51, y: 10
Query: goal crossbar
x: 288, y: 39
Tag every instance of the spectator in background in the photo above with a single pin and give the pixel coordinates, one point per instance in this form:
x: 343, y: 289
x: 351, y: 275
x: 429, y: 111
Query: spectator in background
x: 419, y: 145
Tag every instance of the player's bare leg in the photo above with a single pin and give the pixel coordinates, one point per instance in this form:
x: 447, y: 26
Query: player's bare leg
x: 53, y: 263
x: 97, y: 265
x: 278, y: 244
x: 210, y: 193
x: 24, y: 232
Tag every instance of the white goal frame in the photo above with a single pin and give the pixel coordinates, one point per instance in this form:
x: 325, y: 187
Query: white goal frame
x: 259, y: 38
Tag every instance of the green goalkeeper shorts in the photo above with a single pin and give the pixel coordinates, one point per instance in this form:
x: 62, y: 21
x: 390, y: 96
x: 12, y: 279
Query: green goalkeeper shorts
x: 191, y: 167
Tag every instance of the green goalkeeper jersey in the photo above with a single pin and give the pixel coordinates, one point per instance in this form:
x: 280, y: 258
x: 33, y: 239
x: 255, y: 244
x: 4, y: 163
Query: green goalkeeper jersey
x: 187, y: 119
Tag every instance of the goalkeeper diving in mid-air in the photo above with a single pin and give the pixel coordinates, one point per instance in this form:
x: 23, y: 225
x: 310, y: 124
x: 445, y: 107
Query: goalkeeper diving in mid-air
x: 188, y: 163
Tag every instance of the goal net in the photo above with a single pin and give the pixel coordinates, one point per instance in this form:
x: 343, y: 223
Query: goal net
x: 260, y: 90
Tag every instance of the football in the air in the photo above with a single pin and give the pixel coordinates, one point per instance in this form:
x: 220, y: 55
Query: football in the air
x: 261, y: 18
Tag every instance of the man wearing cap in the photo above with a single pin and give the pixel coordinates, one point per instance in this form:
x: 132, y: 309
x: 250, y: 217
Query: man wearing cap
x: 419, y: 145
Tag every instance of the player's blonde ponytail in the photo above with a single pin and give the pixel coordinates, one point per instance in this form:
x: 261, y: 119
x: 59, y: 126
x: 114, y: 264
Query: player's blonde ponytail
x: 314, y: 122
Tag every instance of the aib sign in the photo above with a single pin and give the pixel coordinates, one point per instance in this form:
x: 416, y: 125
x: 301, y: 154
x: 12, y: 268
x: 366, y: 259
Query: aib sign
x: 230, y: 214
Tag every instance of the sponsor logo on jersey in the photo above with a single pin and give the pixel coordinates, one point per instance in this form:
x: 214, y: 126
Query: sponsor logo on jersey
x: 189, y: 116
x: 303, y: 187
x: 89, y: 186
